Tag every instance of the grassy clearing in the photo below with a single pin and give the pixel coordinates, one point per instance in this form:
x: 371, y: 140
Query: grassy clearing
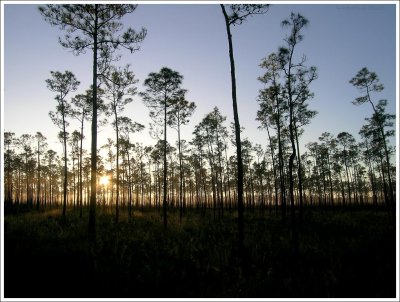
x: 340, y: 254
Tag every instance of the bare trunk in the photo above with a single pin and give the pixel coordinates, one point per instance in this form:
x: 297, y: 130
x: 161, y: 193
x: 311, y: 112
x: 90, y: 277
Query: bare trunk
x: 299, y: 172
x: 165, y: 165
x: 92, y: 208
x: 80, y: 171
x: 117, y: 159
x: 65, y: 163
x: 180, y: 175
x: 38, y: 181
x: 237, y: 137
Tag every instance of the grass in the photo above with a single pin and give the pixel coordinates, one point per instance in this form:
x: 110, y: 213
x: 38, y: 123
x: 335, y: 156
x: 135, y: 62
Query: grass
x: 341, y: 253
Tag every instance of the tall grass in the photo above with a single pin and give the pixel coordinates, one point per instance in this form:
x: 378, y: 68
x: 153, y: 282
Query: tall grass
x: 341, y: 254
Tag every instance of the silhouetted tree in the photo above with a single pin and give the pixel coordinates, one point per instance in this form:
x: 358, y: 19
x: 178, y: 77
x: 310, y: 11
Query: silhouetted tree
x: 346, y: 140
x: 63, y: 84
x: 74, y: 140
x: 41, y: 144
x: 297, y: 80
x: 273, y: 105
x: 302, y: 117
x: 211, y: 131
x: 9, y: 154
x: 238, y: 13
x: 260, y: 171
x: 96, y: 27
x: 162, y: 89
x: 52, y: 159
x: 328, y: 144
x: 109, y: 146
x: 197, y: 158
x: 119, y: 84
x: 181, y: 111
x: 367, y: 82
x: 83, y: 106
x: 128, y: 127
x: 25, y: 143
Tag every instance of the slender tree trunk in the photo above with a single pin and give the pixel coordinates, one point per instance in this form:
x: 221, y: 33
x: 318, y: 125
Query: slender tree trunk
x: 38, y: 180
x: 385, y: 193
x: 299, y: 172
x: 80, y: 171
x: 219, y: 178
x: 324, y: 183
x: 372, y: 179
x: 141, y: 184
x: 348, y: 181
x: 330, y: 181
x: 281, y: 166
x: 65, y: 161
x: 237, y: 137
x: 291, y: 160
x: 92, y: 208
x: 150, y: 183
x: 382, y: 132
x: 117, y: 159
x: 392, y: 203
x: 213, y: 174
x: 291, y: 137
x: 295, y: 244
x: 229, y: 181
x: 129, y: 186
x: 274, y: 171
x: 50, y: 189
x: 73, y: 179
x: 165, y: 165
x: 180, y: 174
x: 342, y: 190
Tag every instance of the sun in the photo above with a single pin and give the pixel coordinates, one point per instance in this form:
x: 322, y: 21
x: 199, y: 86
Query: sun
x: 104, y: 180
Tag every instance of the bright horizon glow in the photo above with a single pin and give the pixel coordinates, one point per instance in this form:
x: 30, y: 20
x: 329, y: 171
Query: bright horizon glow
x: 198, y: 50
x: 333, y: 42
x: 104, y: 180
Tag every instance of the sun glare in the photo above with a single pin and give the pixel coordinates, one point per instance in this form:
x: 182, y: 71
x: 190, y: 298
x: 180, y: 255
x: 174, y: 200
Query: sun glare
x: 104, y: 180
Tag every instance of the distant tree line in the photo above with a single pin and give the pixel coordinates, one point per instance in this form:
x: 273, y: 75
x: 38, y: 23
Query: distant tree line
x: 336, y: 170
x: 202, y: 173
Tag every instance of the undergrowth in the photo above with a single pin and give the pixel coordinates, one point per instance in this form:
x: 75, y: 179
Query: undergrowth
x: 339, y: 253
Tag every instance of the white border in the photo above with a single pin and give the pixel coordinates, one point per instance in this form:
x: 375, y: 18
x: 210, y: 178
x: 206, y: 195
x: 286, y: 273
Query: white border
x: 343, y: 2
x: 2, y: 155
x: 397, y: 129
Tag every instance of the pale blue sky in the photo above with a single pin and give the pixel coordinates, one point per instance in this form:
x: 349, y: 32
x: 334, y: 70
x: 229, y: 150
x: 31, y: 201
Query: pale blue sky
x: 191, y: 38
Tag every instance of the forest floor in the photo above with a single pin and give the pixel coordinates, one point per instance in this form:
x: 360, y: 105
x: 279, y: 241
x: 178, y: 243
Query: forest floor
x: 341, y: 253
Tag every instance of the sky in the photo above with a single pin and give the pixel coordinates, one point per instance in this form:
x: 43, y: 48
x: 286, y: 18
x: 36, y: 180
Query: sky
x: 191, y: 39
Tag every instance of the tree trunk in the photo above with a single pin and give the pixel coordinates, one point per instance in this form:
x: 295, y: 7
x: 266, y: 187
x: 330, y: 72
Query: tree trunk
x: 299, y: 172
x: 382, y: 132
x: 274, y: 171
x: 80, y: 171
x: 165, y: 165
x: 392, y: 203
x: 237, y: 137
x: 65, y: 163
x: 180, y: 175
x: 92, y: 208
x: 129, y: 186
x: 281, y: 166
x: 348, y: 181
x: 38, y: 180
x: 291, y: 160
x: 117, y: 158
